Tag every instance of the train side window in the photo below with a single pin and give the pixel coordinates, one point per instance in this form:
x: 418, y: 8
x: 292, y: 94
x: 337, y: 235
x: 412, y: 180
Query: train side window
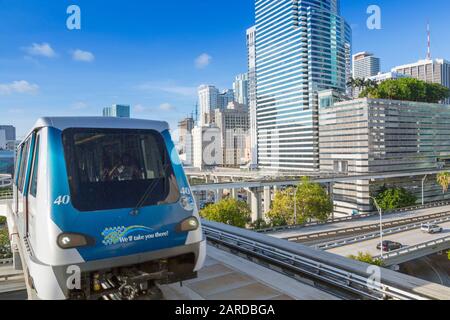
x: 23, y: 164
x: 17, y: 169
x: 34, y: 175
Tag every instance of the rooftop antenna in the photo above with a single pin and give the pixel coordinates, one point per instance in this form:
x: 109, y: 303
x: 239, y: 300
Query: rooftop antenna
x: 429, y: 41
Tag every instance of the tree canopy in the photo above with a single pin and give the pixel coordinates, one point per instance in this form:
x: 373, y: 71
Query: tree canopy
x: 313, y: 203
x: 228, y: 211
x: 443, y: 179
x: 367, y: 258
x: 395, y: 198
x: 407, y: 89
x: 5, y: 247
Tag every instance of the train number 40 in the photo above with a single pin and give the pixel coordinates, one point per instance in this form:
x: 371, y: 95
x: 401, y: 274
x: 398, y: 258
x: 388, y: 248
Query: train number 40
x: 62, y: 200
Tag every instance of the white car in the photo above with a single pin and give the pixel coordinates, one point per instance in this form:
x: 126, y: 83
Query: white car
x: 431, y: 228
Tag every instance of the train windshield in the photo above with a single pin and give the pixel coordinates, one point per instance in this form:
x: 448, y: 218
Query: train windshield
x: 113, y: 168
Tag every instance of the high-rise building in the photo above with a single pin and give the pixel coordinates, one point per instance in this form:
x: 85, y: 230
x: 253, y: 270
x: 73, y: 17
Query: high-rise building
x: 224, y: 98
x: 240, y: 87
x: 185, y: 143
x: 2, y: 139
x: 251, y: 52
x: 10, y: 132
x: 365, y: 65
x: 207, y: 147
x: 411, y: 137
x: 233, y: 123
x: 208, y: 97
x: 432, y: 71
x: 302, y: 47
x: 117, y: 110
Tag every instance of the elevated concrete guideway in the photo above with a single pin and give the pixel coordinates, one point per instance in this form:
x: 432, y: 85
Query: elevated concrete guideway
x: 331, y: 231
x: 261, y: 183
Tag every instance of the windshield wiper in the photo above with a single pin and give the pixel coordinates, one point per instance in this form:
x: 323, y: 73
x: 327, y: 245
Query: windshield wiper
x: 148, y: 191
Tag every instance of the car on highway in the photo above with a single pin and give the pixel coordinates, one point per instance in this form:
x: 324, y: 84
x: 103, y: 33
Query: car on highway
x: 431, y: 228
x: 389, y: 245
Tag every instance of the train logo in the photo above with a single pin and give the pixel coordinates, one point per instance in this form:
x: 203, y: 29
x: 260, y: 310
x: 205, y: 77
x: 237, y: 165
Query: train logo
x: 120, y: 234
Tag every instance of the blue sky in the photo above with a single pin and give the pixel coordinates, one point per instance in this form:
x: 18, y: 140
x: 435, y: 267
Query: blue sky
x: 154, y: 54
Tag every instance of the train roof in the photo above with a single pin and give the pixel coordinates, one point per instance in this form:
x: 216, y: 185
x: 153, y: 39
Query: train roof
x: 63, y: 123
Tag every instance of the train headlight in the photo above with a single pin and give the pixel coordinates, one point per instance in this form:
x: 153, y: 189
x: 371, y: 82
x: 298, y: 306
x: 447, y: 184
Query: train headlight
x: 190, y: 224
x: 73, y: 240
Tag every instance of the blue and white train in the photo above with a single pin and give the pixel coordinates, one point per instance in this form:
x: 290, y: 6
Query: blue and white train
x: 102, y: 207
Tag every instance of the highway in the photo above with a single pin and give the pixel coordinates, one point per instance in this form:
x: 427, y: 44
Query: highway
x: 317, y: 234
x: 407, y: 238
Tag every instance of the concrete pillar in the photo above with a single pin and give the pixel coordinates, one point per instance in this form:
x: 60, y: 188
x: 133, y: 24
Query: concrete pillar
x: 234, y: 194
x: 255, y: 195
x: 218, y: 195
x: 267, y: 199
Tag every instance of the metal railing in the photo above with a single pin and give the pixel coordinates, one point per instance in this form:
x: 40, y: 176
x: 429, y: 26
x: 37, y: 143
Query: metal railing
x: 410, y: 249
x: 364, y: 228
x: 373, y: 235
x: 285, y: 259
x: 355, y: 217
x: 6, y: 261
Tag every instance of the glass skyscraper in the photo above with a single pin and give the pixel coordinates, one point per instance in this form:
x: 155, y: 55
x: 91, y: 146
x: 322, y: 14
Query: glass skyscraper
x: 117, y: 110
x: 302, y: 47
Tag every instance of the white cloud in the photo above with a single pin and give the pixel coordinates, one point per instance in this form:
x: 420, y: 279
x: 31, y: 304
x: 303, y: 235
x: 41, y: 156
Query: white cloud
x: 166, y: 107
x: 21, y: 86
x: 203, y: 61
x: 80, y: 105
x: 169, y: 87
x: 84, y: 56
x: 44, y: 49
x: 139, y: 108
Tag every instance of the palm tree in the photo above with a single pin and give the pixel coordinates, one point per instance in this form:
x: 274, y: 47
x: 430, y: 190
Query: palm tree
x: 443, y: 179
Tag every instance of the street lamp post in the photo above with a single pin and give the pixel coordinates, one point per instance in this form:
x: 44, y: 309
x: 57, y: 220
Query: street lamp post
x: 381, y: 226
x: 423, y: 192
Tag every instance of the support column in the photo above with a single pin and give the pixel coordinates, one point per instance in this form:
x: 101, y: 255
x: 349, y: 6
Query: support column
x: 234, y: 194
x: 218, y: 195
x: 267, y: 199
x: 255, y: 194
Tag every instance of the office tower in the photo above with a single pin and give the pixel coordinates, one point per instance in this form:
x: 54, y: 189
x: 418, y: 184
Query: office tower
x: 224, y: 98
x: 432, y: 71
x: 240, y: 87
x: 185, y: 143
x: 2, y: 139
x: 412, y: 136
x: 302, y: 47
x: 10, y: 132
x: 207, y: 147
x: 208, y: 97
x: 117, y: 110
x: 251, y: 53
x: 233, y: 123
x: 365, y: 65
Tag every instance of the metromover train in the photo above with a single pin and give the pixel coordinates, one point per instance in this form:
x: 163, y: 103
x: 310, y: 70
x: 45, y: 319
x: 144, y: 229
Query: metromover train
x: 102, y: 208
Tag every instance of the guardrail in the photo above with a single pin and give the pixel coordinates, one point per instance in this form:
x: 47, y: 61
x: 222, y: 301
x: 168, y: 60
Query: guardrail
x: 297, y: 260
x: 6, y: 261
x: 364, y: 228
x: 370, y: 236
x: 356, y: 217
x: 6, y: 196
x: 411, y: 249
